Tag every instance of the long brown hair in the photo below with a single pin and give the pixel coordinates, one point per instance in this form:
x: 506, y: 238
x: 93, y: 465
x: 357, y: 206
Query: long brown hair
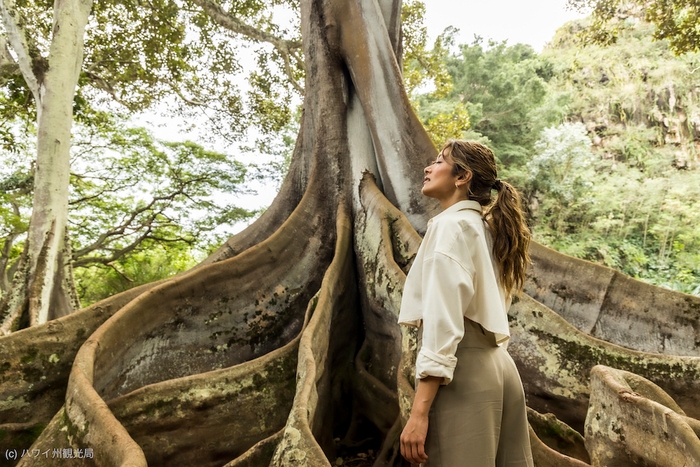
x: 511, y: 236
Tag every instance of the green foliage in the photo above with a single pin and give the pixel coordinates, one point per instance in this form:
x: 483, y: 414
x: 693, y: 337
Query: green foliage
x: 129, y: 191
x: 602, y: 141
x: 172, y: 192
x: 505, y: 84
x: 156, y: 261
x: 16, y: 116
x: 674, y: 20
x: 645, y: 227
x: 562, y: 164
x: 16, y: 182
x: 503, y: 91
x: 143, y: 54
x: 637, y: 210
x: 425, y: 69
x: 444, y: 120
x: 634, y: 82
x: 131, y: 194
x: 13, y: 224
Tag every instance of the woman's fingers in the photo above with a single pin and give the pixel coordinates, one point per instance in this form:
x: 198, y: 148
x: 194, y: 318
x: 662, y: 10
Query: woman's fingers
x: 420, y: 453
x: 412, y: 440
x: 413, y: 449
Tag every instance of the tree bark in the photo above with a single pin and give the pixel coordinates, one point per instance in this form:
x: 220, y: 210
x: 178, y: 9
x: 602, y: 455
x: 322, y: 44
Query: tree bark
x: 43, y: 286
x: 283, y: 348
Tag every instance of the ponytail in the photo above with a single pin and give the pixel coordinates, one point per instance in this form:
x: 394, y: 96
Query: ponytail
x: 511, y: 236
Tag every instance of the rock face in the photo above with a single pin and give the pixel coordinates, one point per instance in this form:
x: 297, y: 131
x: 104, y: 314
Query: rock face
x: 634, y: 91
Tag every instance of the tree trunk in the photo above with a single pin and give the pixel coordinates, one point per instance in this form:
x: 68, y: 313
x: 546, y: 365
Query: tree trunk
x: 43, y: 286
x: 283, y: 348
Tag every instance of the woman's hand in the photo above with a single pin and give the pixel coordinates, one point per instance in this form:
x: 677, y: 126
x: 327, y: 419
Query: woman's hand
x: 416, y: 429
x: 413, y: 439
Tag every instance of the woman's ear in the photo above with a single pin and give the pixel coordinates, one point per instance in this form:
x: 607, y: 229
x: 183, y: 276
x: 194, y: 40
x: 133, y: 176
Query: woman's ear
x: 466, y: 176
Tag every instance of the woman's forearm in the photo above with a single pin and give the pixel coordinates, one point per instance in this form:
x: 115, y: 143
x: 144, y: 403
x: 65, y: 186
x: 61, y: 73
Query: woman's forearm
x: 425, y: 394
x: 416, y: 429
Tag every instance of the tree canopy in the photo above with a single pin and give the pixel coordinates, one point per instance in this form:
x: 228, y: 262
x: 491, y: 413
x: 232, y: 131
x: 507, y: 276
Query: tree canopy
x: 130, y: 194
x: 674, y: 20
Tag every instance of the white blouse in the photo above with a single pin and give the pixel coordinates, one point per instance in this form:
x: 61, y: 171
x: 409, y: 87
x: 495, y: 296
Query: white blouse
x: 453, y: 277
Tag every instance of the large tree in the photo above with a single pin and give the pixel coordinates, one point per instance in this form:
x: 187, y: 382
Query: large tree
x: 282, y: 348
x: 43, y: 286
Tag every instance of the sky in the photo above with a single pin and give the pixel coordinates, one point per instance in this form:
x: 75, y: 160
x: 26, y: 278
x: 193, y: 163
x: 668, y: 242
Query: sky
x: 517, y: 21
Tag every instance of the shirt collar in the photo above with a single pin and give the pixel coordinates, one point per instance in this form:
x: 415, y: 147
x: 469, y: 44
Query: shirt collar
x: 461, y: 206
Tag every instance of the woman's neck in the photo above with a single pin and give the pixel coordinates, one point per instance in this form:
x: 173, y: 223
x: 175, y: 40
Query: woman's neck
x: 452, y: 200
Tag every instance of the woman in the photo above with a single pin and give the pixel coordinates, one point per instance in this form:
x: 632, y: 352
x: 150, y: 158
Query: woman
x: 469, y: 407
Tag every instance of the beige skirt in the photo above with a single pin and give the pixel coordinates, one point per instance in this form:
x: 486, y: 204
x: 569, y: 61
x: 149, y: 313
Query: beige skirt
x: 479, y: 419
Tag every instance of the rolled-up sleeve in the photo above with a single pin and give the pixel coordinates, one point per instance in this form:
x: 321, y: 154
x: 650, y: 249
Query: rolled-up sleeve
x: 448, y: 288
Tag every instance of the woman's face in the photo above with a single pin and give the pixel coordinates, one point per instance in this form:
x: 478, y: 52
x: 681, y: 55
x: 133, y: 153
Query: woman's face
x: 439, y: 182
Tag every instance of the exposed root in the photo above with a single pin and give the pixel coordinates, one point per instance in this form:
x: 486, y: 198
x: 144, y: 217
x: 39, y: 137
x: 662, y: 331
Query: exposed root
x: 374, y: 401
x: 42, y: 288
x: 232, y: 410
x: 196, y: 323
x: 382, y: 276
x: 35, y: 366
x: 287, y: 199
x: 544, y: 456
x: 385, y: 243
x: 14, y: 318
x: 57, y: 435
x: 400, y: 142
x: 555, y: 359
x: 625, y: 428
x: 299, y: 445
x: 406, y: 375
x: 390, y: 453
x: 557, y: 435
x: 611, y: 306
x: 260, y: 454
x: 403, y: 237
x: 653, y: 392
x: 177, y: 364
x: 15, y: 301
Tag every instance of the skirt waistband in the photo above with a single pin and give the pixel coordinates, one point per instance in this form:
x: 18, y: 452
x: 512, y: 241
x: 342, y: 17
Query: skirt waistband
x: 476, y: 337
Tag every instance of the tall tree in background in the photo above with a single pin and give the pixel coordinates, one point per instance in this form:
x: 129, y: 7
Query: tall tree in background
x: 129, y: 193
x: 43, y: 285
